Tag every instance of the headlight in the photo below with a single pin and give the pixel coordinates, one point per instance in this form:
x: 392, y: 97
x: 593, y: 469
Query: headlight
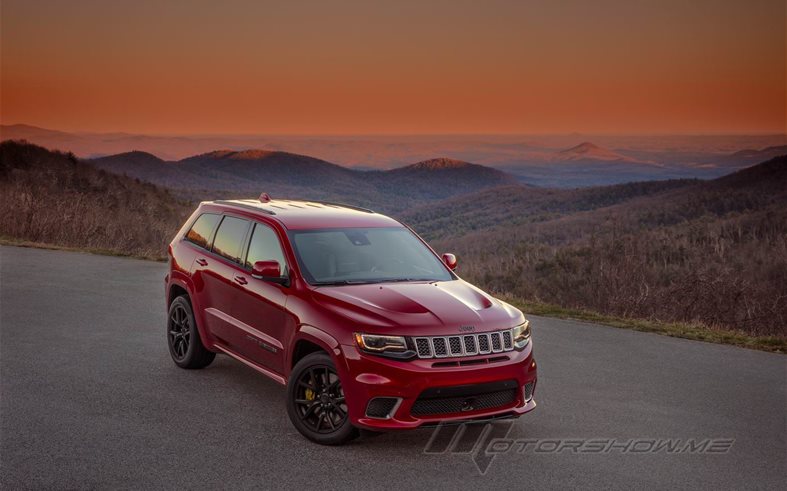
x: 521, y: 335
x: 380, y: 344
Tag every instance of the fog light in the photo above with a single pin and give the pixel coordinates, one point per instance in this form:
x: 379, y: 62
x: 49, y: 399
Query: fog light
x: 528, y: 391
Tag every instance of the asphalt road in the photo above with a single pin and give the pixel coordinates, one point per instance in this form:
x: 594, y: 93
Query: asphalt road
x: 91, y: 399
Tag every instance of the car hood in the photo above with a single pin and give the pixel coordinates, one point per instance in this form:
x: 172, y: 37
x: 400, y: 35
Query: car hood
x: 418, y: 308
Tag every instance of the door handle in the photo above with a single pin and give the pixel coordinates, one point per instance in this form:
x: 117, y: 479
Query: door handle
x: 240, y: 280
x: 202, y: 262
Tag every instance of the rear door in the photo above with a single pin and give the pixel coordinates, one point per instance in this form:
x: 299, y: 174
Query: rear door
x: 223, y: 277
x: 192, y: 256
x: 262, y: 304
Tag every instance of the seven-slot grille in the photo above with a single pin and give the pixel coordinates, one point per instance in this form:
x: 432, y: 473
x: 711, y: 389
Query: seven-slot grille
x: 464, y: 345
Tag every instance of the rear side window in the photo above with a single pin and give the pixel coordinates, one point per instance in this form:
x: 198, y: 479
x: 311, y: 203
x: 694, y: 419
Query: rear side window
x: 229, y: 238
x: 264, y: 246
x: 202, y: 229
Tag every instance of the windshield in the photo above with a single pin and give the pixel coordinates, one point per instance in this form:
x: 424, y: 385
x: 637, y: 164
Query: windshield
x: 365, y: 255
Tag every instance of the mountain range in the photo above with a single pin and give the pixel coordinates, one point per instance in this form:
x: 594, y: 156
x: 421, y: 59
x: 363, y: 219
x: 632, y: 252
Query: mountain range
x: 228, y: 173
x: 568, y: 161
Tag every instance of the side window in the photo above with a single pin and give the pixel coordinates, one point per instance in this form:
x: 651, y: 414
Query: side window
x: 265, y: 246
x: 202, y: 229
x: 229, y: 238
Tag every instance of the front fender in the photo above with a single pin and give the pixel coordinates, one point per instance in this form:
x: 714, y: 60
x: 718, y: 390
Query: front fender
x: 328, y: 343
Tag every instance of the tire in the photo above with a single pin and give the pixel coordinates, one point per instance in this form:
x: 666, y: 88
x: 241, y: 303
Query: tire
x: 321, y: 416
x: 185, y: 345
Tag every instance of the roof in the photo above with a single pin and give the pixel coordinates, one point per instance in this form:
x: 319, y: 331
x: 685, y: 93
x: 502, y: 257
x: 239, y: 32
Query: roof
x: 295, y: 214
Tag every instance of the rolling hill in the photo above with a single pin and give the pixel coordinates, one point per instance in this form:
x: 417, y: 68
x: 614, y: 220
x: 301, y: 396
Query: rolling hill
x: 439, y: 178
x: 52, y: 197
x: 141, y: 165
x: 513, y: 206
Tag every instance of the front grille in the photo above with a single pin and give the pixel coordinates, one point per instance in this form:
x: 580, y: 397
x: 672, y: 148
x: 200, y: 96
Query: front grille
x: 507, y: 339
x: 448, y: 400
x: 439, y: 347
x: 496, y: 345
x: 381, y: 407
x: 456, y: 346
x: 423, y: 348
x: 470, y: 345
x: 483, y: 343
x: 465, y: 345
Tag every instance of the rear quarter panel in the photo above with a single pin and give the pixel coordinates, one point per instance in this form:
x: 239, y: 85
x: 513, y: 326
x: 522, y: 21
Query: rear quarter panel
x: 181, y: 259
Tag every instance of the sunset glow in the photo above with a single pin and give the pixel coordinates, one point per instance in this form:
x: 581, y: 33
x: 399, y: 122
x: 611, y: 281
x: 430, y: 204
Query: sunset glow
x: 359, y: 67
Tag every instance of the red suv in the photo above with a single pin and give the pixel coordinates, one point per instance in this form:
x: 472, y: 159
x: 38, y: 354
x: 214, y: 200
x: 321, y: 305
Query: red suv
x: 366, y: 326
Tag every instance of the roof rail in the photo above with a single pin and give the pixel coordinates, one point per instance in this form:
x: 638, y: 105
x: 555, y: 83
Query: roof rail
x: 243, y: 205
x: 352, y: 207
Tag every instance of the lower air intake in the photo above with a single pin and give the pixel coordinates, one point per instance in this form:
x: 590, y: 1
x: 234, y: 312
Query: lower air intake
x: 381, y: 407
x: 459, y: 399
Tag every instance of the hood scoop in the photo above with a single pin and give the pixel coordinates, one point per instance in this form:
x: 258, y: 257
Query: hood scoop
x: 385, y: 298
x: 416, y: 298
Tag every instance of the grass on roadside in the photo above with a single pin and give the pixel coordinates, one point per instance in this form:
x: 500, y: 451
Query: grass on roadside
x: 10, y: 241
x: 698, y: 332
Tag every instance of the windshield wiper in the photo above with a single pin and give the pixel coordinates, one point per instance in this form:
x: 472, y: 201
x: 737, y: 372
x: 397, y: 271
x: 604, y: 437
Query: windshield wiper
x: 368, y: 282
x: 342, y: 282
x: 400, y: 280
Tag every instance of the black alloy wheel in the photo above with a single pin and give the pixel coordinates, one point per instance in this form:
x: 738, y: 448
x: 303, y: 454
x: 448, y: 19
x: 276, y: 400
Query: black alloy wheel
x: 183, y: 339
x: 320, y: 399
x: 179, y: 332
x: 316, y: 403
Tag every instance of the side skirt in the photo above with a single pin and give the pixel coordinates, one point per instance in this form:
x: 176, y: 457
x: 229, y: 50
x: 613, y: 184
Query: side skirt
x: 273, y: 375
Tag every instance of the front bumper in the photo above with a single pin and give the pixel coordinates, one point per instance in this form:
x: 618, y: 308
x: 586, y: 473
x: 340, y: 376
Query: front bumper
x: 368, y: 376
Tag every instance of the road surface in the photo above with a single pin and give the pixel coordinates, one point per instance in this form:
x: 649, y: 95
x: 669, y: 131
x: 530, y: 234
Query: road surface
x: 91, y: 399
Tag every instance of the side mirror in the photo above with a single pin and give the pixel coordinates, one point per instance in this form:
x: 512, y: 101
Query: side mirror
x: 269, y: 271
x: 450, y: 261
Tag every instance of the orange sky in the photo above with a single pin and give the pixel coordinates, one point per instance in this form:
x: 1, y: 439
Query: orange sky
x: 402, y: 67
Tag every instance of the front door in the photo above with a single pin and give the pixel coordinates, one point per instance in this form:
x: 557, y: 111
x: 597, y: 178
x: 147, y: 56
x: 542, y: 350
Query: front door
x: 261, y: 306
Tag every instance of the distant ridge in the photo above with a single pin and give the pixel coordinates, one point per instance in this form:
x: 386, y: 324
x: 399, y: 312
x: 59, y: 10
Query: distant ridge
x: 752, y: 153
x: 23, y: 130
x: 758, y: 155
x: 441, y: 163
x: 455, y: 166
x: 137, y: 156
x: 591, y: 151
x: 250, y: 154
x: 565, y: 161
